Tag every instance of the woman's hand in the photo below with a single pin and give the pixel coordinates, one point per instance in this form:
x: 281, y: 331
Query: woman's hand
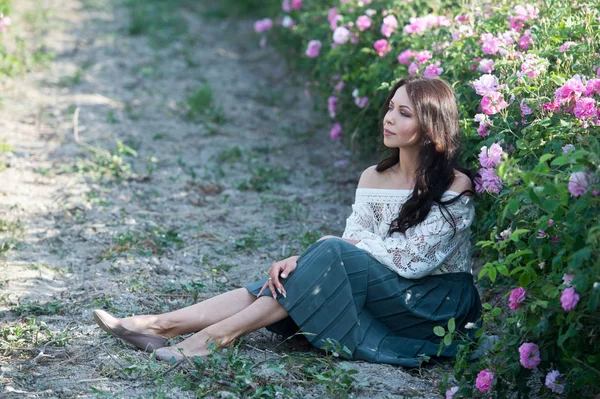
x: 282, y: 268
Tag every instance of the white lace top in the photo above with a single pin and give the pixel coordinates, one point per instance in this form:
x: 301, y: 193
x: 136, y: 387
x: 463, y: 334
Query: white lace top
x: 430, y: 247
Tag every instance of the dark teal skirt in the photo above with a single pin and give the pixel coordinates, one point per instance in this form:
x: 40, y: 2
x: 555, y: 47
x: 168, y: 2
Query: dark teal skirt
x: 342, y: 293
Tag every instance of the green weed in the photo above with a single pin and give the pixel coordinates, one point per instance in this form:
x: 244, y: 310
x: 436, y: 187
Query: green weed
x: 152, y: 242
x: 264, y: 177
x: 284, y: 210
x: 71, y: 80
x: 111, y: 117
x: 200, y: 105
x: 252, y: 240
x: 309, y: 238
x: 159, y: 136
x: 230, y: 155
x: 102, y: 163
x: 161, y: 20
x: 29, y: 332
x: 39, y: 309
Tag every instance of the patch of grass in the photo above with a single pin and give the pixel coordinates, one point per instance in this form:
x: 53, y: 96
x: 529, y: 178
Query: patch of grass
x: 200, y: 105
x: 162, y: 21
x: 10, y: 234
x: 224, y: 9
x: 156, y: 241
x: 159, y: 136
x: 285, y: 210
x: 102, y: 163
x: 26, y: 333
x: 111, y: 117
x: 230, y: 155
x: 252, y: 240
x: 309, y: 238
x: 39, y: 309
x: 225, y: 370
x: 264, y: 177
x: 71, y: 80
x: 189, y: 170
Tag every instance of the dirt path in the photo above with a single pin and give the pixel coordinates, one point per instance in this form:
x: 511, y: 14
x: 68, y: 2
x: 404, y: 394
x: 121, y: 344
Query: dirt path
x: 200, y: 197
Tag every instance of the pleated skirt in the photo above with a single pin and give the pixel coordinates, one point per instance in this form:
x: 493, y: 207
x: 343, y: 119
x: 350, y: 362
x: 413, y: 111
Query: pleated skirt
x: 340, y: 292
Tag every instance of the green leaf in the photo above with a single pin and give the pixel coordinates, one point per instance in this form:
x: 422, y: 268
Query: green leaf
x: 560, y: 160
x: 448, y: 339
x: 451, y: 325
x: 503, y: 270
x: 545, y: 158
x: 439, y: 331
x: 515, y: 234
x: 493, y: 273
x: 487, y: 306
x: 524, y: 279
x: 550, y: 204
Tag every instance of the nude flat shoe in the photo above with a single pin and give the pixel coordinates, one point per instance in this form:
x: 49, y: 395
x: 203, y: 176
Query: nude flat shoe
x: 167, y: 353
x: 111, y: 325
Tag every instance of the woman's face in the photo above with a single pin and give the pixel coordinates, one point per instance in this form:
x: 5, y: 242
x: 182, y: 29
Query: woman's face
x: 400, y: 124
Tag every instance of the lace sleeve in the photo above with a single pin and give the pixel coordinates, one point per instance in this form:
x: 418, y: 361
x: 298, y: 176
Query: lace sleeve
x: 360, y: 224
x: 427, y: 246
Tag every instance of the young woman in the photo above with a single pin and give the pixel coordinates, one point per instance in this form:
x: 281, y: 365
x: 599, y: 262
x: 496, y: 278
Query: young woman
x: 402, y: 266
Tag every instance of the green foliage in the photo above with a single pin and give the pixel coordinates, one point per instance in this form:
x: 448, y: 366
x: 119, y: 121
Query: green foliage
x: 39, y: 309
x: 536, y: 227
x: 156, y: 241
x: 104, y: 164
x: 200, y: 105
x: 160, y: 20
x: 226, y: 371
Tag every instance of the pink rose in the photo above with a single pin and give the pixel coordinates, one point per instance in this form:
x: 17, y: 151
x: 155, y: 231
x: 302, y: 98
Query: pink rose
x: 390, y: 23
x: 286, y: 6
x: 516, y: 298
x: 332, y: 106
x: 486, y: 84
x: 585, y: 108
x: 529, y: 355
x: 551, y: 382
x: 341, y: 35
x: 450, y: 392
x: 313, y: 49
x: 484, y: 380
x: 263, y: 25
x: 578, y: 184
x: 413, y: 68
x: 490, y: 43
x: 363, y: 22
x: 382, y: 46
x: 493, y: 103
x: 569, y: 299
x: 525, y: 110
x: 361, y: 102
x: 296, y: 4
x: 423, y: 56
x: 490, y: 158
x: 336, y: 131
x: 486, y: 66
x: 405, y: 57
x: 432, y: 70
x: 488, y: 181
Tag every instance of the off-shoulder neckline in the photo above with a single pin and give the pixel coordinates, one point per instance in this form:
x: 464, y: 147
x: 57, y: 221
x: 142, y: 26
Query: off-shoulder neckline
x: 398, y: 191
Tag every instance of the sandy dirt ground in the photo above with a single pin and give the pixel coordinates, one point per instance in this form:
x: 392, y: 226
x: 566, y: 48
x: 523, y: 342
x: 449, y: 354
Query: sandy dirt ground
x: 191, y: 204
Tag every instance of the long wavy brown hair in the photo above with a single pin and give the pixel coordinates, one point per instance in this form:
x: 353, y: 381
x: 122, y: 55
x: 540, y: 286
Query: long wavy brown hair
x: 437, y: 114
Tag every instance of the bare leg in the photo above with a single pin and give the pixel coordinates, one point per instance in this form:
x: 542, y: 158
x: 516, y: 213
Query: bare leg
x: 192, y: 318
x: 262, y: 312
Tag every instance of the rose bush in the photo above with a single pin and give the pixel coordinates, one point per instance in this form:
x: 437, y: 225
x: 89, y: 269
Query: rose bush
x: 527, y: 80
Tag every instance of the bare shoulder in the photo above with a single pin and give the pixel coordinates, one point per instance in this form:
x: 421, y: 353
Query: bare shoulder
x: 370, y: 178
x: 461, y: 182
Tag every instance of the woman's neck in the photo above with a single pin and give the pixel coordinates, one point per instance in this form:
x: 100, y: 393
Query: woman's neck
x: 407, y: 166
